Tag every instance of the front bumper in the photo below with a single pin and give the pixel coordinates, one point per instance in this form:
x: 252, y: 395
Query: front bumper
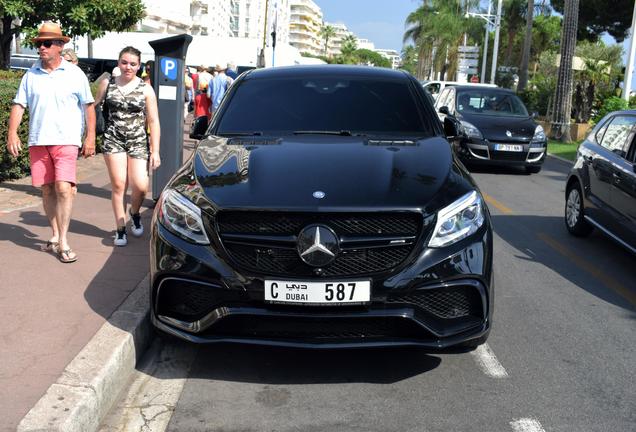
x: 442, y: 298
x: 485, y: 152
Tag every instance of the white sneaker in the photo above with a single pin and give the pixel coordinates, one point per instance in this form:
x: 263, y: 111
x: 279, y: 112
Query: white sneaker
x: 121, y: 238
x: 136, y: 227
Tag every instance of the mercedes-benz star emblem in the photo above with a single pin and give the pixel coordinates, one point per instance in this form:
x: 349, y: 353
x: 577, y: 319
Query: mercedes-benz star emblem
x: 317, y: 245
x: 508, y: 133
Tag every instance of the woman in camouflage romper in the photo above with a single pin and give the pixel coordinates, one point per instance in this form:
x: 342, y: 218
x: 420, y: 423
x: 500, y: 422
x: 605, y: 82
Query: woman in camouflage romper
x: 128, y: 153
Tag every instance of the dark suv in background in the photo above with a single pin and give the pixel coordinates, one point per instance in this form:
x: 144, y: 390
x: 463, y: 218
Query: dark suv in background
x: 601, y: 188
x: 495, y: 127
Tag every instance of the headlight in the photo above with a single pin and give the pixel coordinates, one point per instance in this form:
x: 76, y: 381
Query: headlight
x: 539, y: 134
x: 181, y: 217
x: 470, y: 130
x: 458, y: 220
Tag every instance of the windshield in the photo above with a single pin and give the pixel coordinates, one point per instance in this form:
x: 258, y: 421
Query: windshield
x: 488, y: 102
x: 342, y: 106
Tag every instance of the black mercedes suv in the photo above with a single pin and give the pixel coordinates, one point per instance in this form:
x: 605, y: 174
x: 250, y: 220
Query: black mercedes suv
x: 601, y: 188
x: 323, y: 207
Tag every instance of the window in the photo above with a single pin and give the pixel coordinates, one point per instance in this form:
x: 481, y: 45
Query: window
x: 495, y: 103
x: 322, y: 103
x: 441, y: 100
x: 618, y: 130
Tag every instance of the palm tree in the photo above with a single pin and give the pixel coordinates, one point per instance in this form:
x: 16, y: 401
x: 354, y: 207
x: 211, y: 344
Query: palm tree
x: 348, y: 48
x: 563, y: 94
x: 436, y: 28
x: 525, y: 57
x: 327, y: 32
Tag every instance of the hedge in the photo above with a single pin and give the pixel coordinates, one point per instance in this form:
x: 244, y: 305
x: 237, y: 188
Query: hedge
x: 10, y: 167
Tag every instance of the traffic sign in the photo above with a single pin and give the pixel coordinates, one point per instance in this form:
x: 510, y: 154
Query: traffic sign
x: 468, y: 62
x: 169, y: 68
x: 468, y: 49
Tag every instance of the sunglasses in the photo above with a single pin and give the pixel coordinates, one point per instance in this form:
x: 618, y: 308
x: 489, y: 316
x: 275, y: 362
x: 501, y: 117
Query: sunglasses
x: 47, y: 44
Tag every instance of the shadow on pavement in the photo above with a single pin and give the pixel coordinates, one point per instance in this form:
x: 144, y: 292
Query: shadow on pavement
x: 273, y: 365
x: 545, y: 240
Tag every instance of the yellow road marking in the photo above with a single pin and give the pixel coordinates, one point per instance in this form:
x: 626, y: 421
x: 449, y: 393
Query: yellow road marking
x: 496, y: 204
x: 584, y: 264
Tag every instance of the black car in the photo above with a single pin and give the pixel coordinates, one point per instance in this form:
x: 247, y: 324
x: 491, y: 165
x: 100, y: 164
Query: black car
x: 323, y: 208
x: 495, y: 127
x: 601, y: 188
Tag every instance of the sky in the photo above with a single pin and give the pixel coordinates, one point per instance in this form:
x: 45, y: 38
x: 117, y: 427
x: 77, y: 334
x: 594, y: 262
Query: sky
x: 380, y: 21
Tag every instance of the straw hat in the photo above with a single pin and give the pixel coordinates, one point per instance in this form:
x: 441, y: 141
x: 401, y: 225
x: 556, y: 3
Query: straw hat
x: 51, y: 31
x: 219, y: 68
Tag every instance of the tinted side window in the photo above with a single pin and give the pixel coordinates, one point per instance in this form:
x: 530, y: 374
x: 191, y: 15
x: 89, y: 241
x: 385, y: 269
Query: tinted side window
x: 615, y: 136
x: 284, y: 105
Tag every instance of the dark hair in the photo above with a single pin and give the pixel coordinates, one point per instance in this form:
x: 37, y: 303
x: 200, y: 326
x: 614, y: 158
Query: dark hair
x: 130, y: 50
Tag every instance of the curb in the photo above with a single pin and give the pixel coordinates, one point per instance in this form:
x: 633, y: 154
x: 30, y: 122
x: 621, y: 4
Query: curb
x: 91, y: 383
x: 569, y: 162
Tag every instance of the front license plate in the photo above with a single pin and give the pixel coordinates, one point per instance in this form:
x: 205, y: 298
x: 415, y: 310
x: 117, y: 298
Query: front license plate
x: 509, y: 147
x: 326, y: 293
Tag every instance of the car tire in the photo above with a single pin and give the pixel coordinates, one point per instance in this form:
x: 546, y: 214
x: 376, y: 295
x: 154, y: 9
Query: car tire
x: 575, y: 211
x: 533, y: 169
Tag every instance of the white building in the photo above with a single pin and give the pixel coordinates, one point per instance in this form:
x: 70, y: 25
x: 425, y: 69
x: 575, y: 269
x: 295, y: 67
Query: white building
x: 304, y: 24
x: 366, y: 44
x: 392, y: 55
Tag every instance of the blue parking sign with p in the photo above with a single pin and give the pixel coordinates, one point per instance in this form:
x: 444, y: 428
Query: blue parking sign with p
x: 169, y: 68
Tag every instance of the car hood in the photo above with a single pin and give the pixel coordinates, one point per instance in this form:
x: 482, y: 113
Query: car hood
x: 351, y: 172
x: 495, y: 128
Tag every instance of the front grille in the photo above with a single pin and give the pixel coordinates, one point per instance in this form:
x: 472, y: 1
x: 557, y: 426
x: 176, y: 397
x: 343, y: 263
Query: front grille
x: 343, y: 224
x: 445, y: 303
x: 310, y: 328
x: 256, y: 253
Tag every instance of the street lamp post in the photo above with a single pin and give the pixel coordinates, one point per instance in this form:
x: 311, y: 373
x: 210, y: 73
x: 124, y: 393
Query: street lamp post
x: 497, y: 24
x: 629, y: 67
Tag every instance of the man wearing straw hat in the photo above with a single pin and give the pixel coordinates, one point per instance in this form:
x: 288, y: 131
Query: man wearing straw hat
x: 59, y: 100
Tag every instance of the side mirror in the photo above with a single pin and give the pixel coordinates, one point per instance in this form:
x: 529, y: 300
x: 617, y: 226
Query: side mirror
x: 198, y: 127
x: 450, y: 128
x: 444, y: 110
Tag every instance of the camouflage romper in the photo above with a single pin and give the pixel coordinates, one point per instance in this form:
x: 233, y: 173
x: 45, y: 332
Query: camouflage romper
x: 126, y: 125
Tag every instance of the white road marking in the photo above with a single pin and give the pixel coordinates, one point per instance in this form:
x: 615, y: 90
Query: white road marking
x: 526, y: 425
x: 487, y: 361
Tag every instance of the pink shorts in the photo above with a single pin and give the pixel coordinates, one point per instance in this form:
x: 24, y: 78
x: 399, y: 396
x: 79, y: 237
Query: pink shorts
x: 53, y: 163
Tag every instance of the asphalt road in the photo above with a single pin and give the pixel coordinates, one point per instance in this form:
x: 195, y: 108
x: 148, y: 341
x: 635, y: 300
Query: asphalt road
x: 561, y: 356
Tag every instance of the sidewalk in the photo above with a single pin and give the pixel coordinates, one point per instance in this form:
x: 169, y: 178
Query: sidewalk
x: 50, y: 310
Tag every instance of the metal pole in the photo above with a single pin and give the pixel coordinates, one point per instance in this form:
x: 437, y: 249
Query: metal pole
x: 496, y: 46
x: 484, y: 61
x: 629, y: 67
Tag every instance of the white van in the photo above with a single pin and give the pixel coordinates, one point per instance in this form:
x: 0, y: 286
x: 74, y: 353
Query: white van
x: 436, y: 87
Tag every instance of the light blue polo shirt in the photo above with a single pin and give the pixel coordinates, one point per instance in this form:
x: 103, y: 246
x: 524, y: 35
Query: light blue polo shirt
x: 56, y: 103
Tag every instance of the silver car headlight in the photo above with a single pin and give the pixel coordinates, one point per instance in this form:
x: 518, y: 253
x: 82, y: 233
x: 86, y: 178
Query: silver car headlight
x: 470, y: 130
x: 181, y: 217
x: 539, y: 134
x: 458, y: 220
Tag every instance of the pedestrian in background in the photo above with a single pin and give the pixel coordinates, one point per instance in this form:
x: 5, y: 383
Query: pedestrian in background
x: 201, y: 99
x: 146, y: 74
x: 60, y: 103
x: 187, y: 82
x: 218, y: 87
x: 231, y: 71
x: 131, y: 104
x: 69, y: 55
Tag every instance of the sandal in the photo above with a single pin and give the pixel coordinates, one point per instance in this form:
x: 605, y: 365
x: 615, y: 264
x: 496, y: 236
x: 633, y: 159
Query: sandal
x: 50, y: 247
x: 66, y: 257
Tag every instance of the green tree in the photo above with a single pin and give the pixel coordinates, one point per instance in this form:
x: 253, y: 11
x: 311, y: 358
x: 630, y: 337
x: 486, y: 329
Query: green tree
x: 409, y: 59
x: 372, y: 58
x: 77, y: 18
x: 348, y: 49
x: 437, y: 28
x: 326, y: 32
x: 598, y: 16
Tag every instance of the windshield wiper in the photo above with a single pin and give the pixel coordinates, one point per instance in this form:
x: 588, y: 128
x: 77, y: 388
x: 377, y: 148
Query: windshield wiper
x: 257, y: 133
x: 324, y: 132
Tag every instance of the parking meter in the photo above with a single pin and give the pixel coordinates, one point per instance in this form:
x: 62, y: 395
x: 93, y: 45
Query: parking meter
x: 167, y: 82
